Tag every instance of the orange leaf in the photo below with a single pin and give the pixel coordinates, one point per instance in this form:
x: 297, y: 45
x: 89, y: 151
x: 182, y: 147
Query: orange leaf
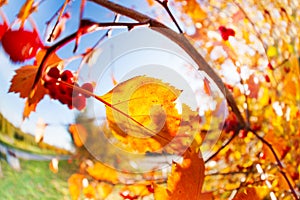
x: 23, y: 80
x: 104, y: 189
x: 194, y: 10
x: 53, y: 165
x: 102, y: 172
x: 185, y: 180
x: 248, y: 194
x: 26, y: 10
x: 143, y: 116
x: 253, y: 86
x: 79, y: 134
x: 3, y: 2
x: 89, y: 192
x: 155, y: 121
x: 75, y: 185
x: 138, y: 189
x: 206, y: 86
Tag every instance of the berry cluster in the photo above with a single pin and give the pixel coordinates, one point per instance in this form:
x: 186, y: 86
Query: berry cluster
x: 62, y: 86
x: 20, y: 44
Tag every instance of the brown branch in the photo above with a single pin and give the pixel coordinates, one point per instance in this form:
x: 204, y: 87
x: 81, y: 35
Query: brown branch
x: 181, y: 41
x: 164, y: 4
x: 280, y: 166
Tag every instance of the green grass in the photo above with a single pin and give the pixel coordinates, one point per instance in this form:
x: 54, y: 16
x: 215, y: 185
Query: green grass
x: 35, y: 181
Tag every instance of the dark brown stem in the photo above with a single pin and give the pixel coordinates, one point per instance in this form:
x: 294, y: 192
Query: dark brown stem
x: 280, y: 166
x: 164, y: 4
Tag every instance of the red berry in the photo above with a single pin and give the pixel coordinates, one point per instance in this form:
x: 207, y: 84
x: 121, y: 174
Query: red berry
x: 3, y: 29
x: 243, y: 133
x: 21, y: 45
x: 67, y: 76
x: 267, y: 78
x: 88, y: 87
x: 231, y: 123
x: 150, y: 188
x: 52, y: 75
x: 226, y: 32
x: 79, y: 102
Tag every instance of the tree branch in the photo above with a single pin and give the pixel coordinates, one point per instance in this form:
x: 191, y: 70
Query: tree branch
x: 181, y: 41
x: 223, y: 146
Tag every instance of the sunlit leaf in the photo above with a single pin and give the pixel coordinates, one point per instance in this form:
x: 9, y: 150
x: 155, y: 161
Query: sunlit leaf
x: 89, y: 192
x: 189, y: 173
x: 26, y: 10
x: 78, y: 133
x: 248, y: 194
x: 156, y: 118
x: 23, y: 80
x: 102, y: 172
x: 75, y: 185
x: 272, y: 51
x: 104, y: 189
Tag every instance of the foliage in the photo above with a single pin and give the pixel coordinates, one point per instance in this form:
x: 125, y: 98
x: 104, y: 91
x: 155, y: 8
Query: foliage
x: 249, y: 49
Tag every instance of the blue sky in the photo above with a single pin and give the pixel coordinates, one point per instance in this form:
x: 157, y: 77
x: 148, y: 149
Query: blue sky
x: 58, y: 116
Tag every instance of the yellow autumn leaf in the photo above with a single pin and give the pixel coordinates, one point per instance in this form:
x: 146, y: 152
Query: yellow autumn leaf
x: 104, y: 189
x: 26, y: 10
x: 142, y: 115
x: 102, y: 172
x: 75, y: 185
x: 272, y: 51
x: 89, y: 192
x: 194, y: 10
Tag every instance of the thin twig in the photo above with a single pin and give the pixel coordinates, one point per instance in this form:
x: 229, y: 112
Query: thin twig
x: 183, y: 42
x: 280, y: 166
x: 227, y: 173
x: 223, y: 146
x: 164, y: 4
x: 71, y: 37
